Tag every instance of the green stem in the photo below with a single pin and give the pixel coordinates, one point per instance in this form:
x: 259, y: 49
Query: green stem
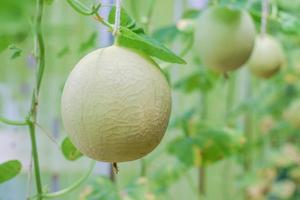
x: 201, y: 170
x: 41, y: 46
x: 202, y: 178
x: 105, y: 23
x: 143, y: 167
x: 248, y: 129
x: 191, y: 183
x: 31, y: 119
x: 35, y: 160
x: 228, y: 107
x: 73, y: 186
x: 13, y: 122
x: 230, y: 97
x: 80, y: 8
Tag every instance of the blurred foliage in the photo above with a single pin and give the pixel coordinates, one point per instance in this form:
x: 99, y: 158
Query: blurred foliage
x: 15, y: 20
x: 278, y: 178
x: 200, y: 142
x: 205, y: 144
x: 148, y: 188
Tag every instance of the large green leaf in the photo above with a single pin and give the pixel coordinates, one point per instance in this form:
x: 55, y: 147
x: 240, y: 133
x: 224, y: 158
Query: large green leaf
x: 9, y: 170
x: 147, y: 45
x: 132, y: 36
x: 69, y: 150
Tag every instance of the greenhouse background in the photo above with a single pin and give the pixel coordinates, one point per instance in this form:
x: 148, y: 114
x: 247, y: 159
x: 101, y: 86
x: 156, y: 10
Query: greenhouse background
x: 249, y: 145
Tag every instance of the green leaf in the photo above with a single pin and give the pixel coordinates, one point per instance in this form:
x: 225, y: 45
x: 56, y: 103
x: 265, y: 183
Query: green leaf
x: 147, y: 45
x: 16, y: 51
x: 203, y: 80
x: 190, y: 14
x: 206, y: 144
x: 132, y: 36
x: 69, y: 150
x: 9, y: 170
x: 183, y: 149
x: 126, y: 20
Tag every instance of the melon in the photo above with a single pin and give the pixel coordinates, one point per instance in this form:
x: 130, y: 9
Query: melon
x: 225, y: 38
x: 116, y: 105
x: 292, y: 114
x: 267, y: 57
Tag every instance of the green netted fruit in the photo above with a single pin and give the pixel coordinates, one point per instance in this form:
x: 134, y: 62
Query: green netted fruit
x: 116, y: 105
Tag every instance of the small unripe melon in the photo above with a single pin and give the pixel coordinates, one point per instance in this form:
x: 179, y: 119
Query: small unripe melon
x: 224, y: 38
x: 295, y: 61
x: 292, y: 114
x: 267, y: 57
x: 116, y: 105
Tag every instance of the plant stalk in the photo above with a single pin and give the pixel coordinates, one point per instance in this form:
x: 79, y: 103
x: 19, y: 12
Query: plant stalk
x: 264, y: 16
x: 117, y: 17
x: 143, y: 167
x: 32, y: 117
x: 35, y: 160
x: 12, y: 122
x: 228, y: 107
x: 202, y: 170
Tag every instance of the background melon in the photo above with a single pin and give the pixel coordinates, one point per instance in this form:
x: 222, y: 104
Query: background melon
x: 267, y: 57
x: 225, y: 38
x: 292, y: 114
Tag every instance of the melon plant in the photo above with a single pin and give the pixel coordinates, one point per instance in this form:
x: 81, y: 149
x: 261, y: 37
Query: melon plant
x: 225, y: 38
x: 267, y: 57
x: 116, y: 104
